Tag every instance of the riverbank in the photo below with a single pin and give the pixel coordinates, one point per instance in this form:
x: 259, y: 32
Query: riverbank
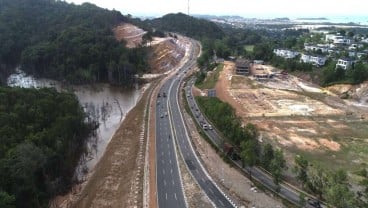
x: 116, y: 177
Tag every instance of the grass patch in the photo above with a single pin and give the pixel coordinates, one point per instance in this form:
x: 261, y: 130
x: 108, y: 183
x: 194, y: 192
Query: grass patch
x: 211, y: 79
x: 249, y: 48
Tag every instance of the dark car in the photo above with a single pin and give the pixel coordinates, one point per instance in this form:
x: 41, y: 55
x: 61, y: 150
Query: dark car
x: 314, y: 203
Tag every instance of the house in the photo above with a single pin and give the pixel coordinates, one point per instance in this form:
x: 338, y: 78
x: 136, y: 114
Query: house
x: 242, y: 67
x: 323, y: 48
x: 285, y: 53
x: 315, y: 60
x: 344, y: 63
x: 337, y: 39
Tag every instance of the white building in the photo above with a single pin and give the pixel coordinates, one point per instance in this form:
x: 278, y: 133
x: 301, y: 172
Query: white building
x: 337, y: 39
x: 288, y: 54
x: 323, y: 48
x: 344, y: 63
x: 315, y: 60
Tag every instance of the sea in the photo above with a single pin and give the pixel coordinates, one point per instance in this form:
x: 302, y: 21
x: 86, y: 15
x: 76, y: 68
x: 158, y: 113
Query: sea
x: 362, y: 20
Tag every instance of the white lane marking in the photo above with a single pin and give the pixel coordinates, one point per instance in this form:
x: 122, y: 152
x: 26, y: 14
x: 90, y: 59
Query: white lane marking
x: 171, y: 171
x: 164, y: 182
x: 173, y: 182
x: 175, y: 197
x: 211, y: 191
x: 162, y: 153
x: 166, y: 196
x: 170, y: 161
x: 163, y: 171
x: 221, y: 203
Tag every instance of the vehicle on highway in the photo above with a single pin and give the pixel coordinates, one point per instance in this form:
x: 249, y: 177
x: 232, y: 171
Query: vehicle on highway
x: 165, y: 113
x: 314, y: 203
x: 159, y: 95
x: 210, y: 127
x: 205, y: 126
x: 162, y: 115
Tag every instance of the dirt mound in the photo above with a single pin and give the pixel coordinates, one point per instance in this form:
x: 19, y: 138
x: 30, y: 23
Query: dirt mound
x: 166, y: 54
x: 131, y: 34
x: 347, y: 91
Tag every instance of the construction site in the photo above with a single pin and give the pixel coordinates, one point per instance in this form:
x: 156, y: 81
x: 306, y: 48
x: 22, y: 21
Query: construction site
x: 300, y: 117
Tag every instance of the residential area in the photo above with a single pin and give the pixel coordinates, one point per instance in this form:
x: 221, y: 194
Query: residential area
x: 343, y: 49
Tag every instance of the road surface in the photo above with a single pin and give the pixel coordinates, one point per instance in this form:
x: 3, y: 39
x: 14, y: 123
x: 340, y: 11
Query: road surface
x: 170, y: 128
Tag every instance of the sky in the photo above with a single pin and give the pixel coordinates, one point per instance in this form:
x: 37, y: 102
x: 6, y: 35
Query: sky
x: 245, y: 8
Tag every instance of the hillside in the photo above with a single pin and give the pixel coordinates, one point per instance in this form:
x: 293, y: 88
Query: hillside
x: 188, y: 26
x: 62, y: 41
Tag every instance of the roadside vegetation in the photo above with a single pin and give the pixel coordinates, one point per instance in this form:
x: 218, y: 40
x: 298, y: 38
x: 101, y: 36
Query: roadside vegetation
x: 326, y: 184
x: 66, y: 42
x: 43, y: 134
x: 243, y: 138
x: 209, y: 82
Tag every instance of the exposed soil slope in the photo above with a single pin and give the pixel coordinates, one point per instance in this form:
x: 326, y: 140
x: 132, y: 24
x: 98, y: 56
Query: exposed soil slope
x: 131, y: 34
x: 166, y: 54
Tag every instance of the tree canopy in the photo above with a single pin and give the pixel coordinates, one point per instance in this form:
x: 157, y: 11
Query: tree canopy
x: 42, y: 136
x: 54, y: 39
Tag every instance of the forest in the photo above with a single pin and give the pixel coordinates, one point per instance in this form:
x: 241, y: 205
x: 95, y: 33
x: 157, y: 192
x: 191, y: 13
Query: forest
x: 42, y: 136
x: 66, y: 42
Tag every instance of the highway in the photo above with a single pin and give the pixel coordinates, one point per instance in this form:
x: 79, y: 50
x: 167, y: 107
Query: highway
x: 171, y: 128
x: 169, y: 189
x: 286, y: 192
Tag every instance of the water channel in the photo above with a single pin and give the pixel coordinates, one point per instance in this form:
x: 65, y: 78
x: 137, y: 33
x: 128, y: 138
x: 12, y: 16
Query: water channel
x: 103, y: 103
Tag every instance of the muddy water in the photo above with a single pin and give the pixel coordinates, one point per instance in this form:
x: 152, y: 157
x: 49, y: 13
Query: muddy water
x: 103, y: 103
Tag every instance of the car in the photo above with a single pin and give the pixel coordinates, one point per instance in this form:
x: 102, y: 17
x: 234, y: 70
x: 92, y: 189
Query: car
x: 314, y: 203
x: 162, y: 115
x: 165, y: 113
x: 210, y: 127
x: 196, y: 109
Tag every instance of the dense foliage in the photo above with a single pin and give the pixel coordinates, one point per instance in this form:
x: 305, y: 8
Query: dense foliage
x: 42, y: 135
x: 356, y: 74
x: 224, y: 118
x: 64, y: 41
x: 188, y: 26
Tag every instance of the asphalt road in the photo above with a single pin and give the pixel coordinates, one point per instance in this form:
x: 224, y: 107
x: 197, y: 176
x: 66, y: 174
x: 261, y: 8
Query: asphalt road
x: 170, y: 128
x: 286, y: 192
x: 170, y: 193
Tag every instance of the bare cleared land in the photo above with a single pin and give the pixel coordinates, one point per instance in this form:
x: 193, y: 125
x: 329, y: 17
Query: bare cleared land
x: 302, y: 118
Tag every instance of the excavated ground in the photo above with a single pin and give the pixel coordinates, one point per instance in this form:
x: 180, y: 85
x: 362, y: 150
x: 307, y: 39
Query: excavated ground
x: 302, y: 118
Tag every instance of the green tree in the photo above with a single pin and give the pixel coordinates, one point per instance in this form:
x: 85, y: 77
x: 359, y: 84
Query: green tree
x: 278, y: 164
x: 318, y: 181
x: 267, y: 156
x: 301, y: 168
x: 6, y: 200
x: 249, y: 153
x: 340, y: 196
